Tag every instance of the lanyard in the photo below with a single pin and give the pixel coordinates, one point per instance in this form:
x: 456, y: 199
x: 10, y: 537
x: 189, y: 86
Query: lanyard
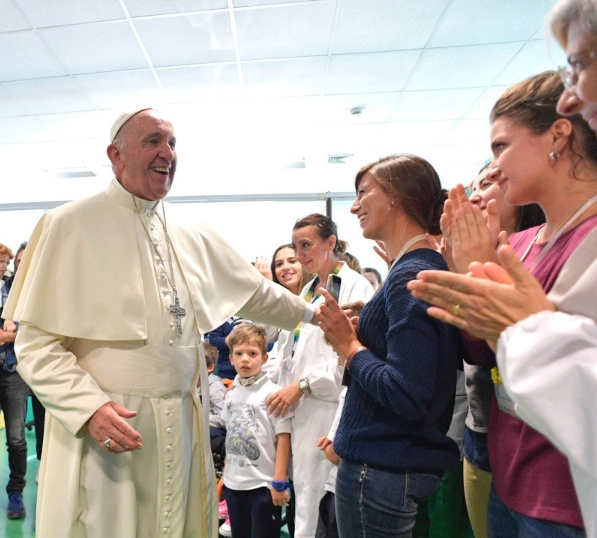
x: 310, y: 299
x: 556, y: 235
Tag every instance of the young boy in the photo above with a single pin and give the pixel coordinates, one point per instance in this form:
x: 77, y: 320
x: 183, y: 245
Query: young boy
x: 216, y: 392
x: 257, y: 444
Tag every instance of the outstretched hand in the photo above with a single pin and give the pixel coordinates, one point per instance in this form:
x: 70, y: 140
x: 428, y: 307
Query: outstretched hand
x: 108, y: 423
x: 487, y: 300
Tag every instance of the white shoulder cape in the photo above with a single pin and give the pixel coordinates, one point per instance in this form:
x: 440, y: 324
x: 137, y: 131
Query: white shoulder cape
x: 81, y: 270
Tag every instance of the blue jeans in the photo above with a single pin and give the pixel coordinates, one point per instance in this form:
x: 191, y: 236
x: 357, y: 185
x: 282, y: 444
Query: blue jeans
x: 253, y: 513
x: 13, y: 400
x: 379, y: 502
x: 502, y: 522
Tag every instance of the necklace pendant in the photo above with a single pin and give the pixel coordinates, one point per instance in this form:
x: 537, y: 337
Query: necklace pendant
x: 178, y: 312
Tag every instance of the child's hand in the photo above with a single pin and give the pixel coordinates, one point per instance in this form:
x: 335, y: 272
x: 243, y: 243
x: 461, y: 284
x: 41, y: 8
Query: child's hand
x: 331, y: 454
x: 280, y: 498
x: 323, y: 442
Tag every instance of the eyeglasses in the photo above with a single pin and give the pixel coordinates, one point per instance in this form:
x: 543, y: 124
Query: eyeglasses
x: 577, y: 62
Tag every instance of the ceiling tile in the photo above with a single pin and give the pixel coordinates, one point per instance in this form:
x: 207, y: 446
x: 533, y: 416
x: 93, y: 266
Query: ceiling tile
x: 288, y: 30
x: 298, y: 76
x: 473, y: 22
x: 461, y: 67
x: 11, y: 18
x: 370, y: 72
x: 385, y: 24
x: 140, y: 8
x: 22, y: 129
x: 261, y: 3
x: 185, y: 40
x: 42, y: 96
x: 121, y: 89
x: 435, y: 104
x: 8, y: 106
x: 470, y: 131
x: 28, y: 58
x: 205, y: 82
x: 405, y: 134
x: 111, y: 45
x: 41, y: 13
x: 483, y: 105
x: 534, y: 53
x: 79, y: 125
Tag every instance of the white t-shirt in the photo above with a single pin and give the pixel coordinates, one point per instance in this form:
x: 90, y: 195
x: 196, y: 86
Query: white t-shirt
x: 251, y: 435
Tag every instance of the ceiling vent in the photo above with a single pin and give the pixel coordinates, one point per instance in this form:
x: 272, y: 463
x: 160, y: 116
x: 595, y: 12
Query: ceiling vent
x: 342, y: 158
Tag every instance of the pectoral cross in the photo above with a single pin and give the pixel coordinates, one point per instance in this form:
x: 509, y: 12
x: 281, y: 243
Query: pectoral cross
x: 178, y: 312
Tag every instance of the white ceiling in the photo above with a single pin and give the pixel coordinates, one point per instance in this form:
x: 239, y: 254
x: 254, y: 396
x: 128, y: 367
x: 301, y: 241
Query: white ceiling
x: 253, y: 85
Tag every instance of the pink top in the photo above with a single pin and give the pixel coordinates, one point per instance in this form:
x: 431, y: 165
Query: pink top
x: 529, y: 474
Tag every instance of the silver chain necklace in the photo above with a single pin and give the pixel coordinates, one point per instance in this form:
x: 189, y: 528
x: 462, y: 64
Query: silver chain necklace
x: 176, y: 310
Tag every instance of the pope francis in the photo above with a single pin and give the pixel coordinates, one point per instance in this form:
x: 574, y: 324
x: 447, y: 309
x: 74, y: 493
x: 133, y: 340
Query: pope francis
x: 113, y: 294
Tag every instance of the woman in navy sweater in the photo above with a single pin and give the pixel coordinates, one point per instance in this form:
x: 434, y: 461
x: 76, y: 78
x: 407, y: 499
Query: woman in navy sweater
x: 402, y: 363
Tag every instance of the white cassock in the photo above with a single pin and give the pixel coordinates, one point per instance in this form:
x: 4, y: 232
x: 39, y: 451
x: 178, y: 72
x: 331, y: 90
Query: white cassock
x: 548, y: 362
x: 93, y: 299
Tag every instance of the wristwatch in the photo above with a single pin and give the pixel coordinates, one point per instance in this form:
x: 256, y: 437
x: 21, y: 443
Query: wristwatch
x: 280, y: 485
x: 304, y: 385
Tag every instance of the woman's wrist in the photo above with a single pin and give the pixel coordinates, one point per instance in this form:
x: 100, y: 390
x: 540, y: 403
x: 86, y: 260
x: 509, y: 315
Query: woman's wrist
x: 353, y: 352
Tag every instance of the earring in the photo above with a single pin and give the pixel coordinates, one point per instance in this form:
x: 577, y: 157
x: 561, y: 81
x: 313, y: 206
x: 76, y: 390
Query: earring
x: 554, y: 157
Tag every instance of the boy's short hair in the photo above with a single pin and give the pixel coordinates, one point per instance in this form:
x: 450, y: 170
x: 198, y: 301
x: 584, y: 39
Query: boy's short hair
x: 211, y: 354
x: 248, y: 333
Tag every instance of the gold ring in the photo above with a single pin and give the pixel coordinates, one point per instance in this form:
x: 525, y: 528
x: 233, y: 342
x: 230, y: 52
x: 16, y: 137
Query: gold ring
x: 456, y: 309
x: 107, y: 443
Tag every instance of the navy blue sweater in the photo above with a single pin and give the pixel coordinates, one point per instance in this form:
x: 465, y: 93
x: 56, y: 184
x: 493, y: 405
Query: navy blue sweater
x: 401, y: 394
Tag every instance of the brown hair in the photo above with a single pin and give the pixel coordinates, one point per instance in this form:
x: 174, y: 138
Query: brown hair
x: 248, y: 333
x: 326, y: 227
x: 305, y: 275
x: 5, y: 251
x: 211, y: 354
x: 532, y: 104
x: 413, y: 183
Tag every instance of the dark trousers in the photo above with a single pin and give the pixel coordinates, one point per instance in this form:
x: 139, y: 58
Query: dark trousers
x: 252, y: 513
x: 13, y: 400
x: 39, y: 419
x: 327, y: 527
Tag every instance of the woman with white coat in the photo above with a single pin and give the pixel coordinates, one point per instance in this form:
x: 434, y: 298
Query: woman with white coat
x: 310, y: 373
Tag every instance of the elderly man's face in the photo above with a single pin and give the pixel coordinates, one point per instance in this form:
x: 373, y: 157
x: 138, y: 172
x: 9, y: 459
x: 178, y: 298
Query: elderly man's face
x: 145, y: 161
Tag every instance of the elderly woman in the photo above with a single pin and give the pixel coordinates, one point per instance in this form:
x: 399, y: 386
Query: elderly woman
x: 546, y: 358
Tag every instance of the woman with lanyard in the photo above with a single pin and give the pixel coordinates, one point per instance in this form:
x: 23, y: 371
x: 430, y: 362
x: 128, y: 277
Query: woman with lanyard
x: 310, y: 373
x: 392, y: 435
x: 543, y: 157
